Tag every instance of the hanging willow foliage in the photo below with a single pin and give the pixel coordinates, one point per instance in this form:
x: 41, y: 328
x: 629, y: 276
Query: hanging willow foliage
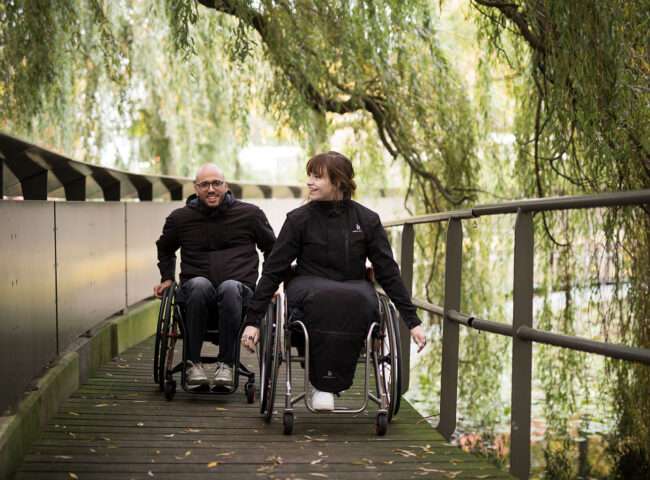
x: 376, y: 58
x: 584, y: 126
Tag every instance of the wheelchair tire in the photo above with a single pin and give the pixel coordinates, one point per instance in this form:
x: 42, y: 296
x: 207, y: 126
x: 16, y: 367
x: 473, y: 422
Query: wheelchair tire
x: 161, y: 341
x: 381, y: 424
x: 287, y: 423
x: 269, y: 361
x: 170, y: 389
x: 388, y: 358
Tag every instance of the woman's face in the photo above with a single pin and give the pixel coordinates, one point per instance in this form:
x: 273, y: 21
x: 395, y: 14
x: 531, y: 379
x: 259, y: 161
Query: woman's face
x: 321, y: 188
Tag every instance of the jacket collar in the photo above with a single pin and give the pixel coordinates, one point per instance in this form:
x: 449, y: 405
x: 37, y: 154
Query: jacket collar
x: 194, y: 203
x: 331, y: 208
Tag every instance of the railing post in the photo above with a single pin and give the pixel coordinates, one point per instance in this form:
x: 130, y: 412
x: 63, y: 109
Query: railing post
x: 406, y: 267
x: 449, y: 370
x: 522, y: 350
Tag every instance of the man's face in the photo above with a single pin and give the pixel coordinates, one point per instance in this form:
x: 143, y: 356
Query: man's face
x: 210, y: 187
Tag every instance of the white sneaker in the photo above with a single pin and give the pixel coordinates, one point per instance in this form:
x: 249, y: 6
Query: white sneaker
x: 223, y: 374
x: 195, y: 375
x: 322, y: 401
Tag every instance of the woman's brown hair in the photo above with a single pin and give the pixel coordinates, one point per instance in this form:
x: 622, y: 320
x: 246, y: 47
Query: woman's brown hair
x: 338, y: 167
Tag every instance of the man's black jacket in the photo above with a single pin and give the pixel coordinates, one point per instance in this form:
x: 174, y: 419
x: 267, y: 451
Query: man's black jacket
x: 216, y: 243
x: 332, y: 240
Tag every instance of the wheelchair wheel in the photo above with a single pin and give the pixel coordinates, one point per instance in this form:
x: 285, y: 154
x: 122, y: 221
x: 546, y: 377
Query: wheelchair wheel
x: 388, y: 358
x: 162, y: 329
x: 381, y: 424
x: 287, y: 423
x: 269, y: 358
x: 249, y: 389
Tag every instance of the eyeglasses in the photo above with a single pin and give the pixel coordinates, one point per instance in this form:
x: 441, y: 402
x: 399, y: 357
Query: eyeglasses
x: 214, y: 184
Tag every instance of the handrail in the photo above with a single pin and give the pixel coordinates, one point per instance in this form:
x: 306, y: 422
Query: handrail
x: 521, y: 330
x: 609, y: 199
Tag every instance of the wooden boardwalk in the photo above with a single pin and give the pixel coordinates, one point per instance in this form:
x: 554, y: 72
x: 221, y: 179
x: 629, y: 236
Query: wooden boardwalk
x: 119, y: 426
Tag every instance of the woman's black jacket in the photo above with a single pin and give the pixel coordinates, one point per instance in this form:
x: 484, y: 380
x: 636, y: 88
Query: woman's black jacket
x: 332, y: 240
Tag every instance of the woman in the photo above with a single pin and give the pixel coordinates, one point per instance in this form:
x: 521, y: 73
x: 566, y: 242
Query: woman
x: 331, y: 237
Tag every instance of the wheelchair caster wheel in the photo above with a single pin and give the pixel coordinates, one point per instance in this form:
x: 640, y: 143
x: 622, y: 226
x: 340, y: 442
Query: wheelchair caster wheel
x: 382, y: 424
x: 287, y: 421
x: 249, y: 389
x: 170, y: 389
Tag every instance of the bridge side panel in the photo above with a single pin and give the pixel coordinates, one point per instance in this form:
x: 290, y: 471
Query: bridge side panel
x: 144, y: 222
x: 92, y: 268
x: 27, y: 295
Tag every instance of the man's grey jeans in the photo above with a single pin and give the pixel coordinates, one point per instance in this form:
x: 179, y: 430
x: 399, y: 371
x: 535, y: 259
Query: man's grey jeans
x: 209, y: 307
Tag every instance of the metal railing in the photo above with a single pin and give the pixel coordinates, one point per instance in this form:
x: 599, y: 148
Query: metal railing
x: 521, y: 330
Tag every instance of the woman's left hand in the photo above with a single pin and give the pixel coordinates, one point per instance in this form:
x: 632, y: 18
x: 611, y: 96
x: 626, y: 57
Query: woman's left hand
x: 418, y: 336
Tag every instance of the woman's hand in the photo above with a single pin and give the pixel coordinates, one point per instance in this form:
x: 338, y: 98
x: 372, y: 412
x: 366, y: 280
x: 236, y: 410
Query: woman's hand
x: 418, y: 336
x: 250, y: 337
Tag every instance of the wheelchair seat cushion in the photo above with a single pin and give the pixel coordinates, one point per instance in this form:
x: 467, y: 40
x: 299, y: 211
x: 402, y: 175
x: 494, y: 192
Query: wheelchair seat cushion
x: 337, y: 316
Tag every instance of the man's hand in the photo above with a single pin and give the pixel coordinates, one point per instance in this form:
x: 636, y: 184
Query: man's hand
x: 250, y: 337
x: 418, y: 336
x: 159, y: 289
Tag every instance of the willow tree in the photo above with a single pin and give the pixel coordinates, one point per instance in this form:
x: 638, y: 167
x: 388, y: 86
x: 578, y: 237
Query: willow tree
x: 379, y: 60
x: 109, y: 74
x: 584, y: 126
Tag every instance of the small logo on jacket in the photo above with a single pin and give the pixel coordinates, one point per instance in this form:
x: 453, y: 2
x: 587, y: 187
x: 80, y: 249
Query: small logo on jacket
x: 357, y: 229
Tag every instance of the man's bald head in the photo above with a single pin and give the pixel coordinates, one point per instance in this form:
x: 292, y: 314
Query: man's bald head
x: 210, y: 185
x: 208, y: 169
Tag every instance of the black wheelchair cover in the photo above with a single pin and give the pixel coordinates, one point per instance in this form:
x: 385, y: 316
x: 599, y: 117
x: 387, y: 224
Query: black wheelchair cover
x: 337, y: 316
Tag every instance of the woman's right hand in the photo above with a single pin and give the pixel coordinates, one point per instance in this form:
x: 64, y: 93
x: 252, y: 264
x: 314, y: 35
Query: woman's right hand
x: 418, y: 336
x: 250, y: 337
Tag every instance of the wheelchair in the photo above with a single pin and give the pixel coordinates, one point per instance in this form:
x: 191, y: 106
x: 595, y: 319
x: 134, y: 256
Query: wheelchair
x: 382, y: 354
x: 170, y: 329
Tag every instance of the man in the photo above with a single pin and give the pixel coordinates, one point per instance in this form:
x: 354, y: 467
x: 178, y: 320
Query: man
x: 217, y: 236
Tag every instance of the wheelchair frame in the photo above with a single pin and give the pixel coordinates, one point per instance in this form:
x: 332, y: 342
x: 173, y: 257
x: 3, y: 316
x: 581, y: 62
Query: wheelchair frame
x: 169, y: 329
x: 382, y: 346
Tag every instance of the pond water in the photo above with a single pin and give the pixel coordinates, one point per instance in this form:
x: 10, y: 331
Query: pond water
x: 572, y: 416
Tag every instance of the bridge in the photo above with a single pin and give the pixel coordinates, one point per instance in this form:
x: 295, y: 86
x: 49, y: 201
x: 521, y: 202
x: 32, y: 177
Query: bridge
x: 78, y: 264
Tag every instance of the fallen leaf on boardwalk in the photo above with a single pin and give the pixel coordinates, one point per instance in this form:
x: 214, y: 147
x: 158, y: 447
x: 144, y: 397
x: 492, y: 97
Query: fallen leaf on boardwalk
x: 322, y: 475
x: 426, y: 471
x: 150, y: 473
x: 404, y: 453
x: 188, y: 453
x: 212, y: 464
x: 389, y: 462
x: 314, y: 462
x: 455, y: 461
x: 221, y: 409
x: 109, y: 374
x: 106, y: 438
x: 140, y: 424
x: 275, y: 459
x: 72, y: 434
x: 101, y: 405
x: 92, y: 450
x: 73, y: 413
x: 266, y: 468
x: 225, y: 454
x: 63, y: 457
x: 192, y: 430
x: 73, y: 476
x: 170, y: 435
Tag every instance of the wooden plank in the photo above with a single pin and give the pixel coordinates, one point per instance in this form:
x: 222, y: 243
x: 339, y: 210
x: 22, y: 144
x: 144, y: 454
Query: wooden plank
x: 119, y: 426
